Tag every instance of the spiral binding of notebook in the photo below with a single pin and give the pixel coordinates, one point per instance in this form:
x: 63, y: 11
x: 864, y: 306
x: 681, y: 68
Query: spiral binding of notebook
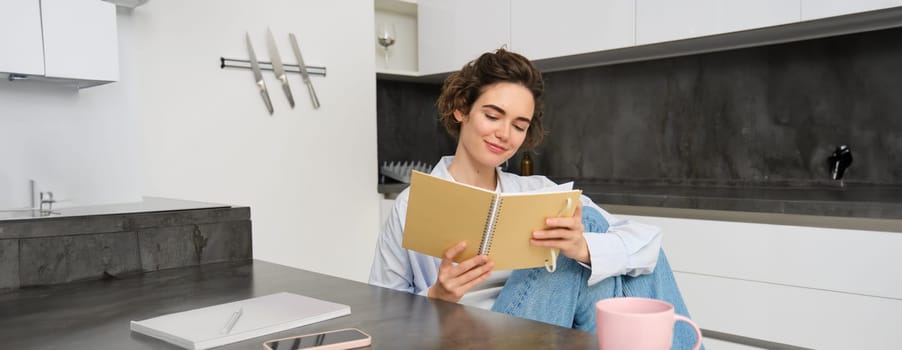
x: 401, y: 170
x: 485, y: 247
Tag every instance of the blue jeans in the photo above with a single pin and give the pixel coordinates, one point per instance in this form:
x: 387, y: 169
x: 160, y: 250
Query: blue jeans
x: 564, y: 297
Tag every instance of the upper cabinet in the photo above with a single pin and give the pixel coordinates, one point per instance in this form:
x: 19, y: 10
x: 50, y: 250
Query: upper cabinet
x: 543, y: 29
x: 80, y: 40
x: 72, y: 40
x: 398, y: 20
x: 816, y: 9
x: 20, y: 37
x: 663, y: 20
x: 451, y: 33
x: 567, y: 34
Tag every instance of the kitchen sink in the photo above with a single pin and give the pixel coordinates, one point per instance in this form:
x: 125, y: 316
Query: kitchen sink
x: 15, y: 214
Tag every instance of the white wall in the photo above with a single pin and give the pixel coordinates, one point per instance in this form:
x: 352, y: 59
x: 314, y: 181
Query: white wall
x: 308, y: 175
x: 80, y: 144
x: 178, y: 126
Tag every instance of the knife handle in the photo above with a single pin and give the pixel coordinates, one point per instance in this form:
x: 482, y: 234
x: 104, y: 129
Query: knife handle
x: 267, y: 101
x: 313, y: 97
x: 287, y: 90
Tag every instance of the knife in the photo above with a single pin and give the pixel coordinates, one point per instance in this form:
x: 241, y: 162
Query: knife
x: 258, y: 77
x: 304, y: 74
x: 277, y: 65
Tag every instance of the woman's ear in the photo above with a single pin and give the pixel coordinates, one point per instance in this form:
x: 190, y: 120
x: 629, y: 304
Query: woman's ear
x: 459, y: 116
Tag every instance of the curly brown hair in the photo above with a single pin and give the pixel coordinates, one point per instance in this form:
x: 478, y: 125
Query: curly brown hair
x: 462, y: 88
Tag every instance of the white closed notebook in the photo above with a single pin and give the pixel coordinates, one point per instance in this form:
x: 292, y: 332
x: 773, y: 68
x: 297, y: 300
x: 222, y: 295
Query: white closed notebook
x: 206, y: 327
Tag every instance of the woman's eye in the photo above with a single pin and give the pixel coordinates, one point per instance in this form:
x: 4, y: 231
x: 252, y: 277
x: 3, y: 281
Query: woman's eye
x: 492, y: 117
x: 519, y: 128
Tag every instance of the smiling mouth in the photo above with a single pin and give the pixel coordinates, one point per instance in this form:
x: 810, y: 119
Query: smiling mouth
x: 495, y: 148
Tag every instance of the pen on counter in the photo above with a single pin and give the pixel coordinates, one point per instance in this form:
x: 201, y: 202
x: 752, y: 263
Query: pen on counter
x: 232, y: 320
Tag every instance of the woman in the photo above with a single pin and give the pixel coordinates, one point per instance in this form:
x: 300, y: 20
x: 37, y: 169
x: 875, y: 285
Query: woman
x: 493, y: 105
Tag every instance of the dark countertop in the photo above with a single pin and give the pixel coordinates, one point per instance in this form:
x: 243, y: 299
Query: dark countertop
x: 147, y: 205
x: 850, y: 201
x: 855, y: 206
x: 96, y: 314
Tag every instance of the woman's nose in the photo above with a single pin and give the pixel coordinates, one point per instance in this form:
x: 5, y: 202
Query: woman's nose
x: 502, y: 132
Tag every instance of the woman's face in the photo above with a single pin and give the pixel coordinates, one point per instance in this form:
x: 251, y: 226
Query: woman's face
x: 497, y: 124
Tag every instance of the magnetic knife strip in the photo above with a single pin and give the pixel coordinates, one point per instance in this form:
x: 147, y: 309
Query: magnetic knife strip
x: 266, y: 65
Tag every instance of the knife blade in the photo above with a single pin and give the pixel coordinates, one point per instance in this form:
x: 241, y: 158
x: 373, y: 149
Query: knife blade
x: 303, y: 67
x: 258, y: 77
x: 277, y: 66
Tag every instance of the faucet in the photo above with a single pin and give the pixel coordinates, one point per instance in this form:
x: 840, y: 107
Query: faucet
x: 47, y: 198
x: 839, y: 161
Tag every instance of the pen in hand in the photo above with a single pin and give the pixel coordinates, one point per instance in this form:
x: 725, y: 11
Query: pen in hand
x: 232, y: 320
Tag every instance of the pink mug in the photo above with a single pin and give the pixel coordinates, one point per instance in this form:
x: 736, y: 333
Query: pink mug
x: 638, y: 324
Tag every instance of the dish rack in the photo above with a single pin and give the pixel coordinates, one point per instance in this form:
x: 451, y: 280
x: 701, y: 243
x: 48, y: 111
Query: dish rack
x: 401, y: 170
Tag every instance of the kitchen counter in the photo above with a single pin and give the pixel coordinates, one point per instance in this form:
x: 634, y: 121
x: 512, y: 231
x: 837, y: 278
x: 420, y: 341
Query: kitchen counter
x: 96, y: 242
x: 850, y: 201
x: 148, y: 205
x: 825, y: 204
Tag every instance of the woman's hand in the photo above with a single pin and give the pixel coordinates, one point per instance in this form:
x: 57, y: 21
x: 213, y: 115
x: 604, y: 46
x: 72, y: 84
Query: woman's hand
x: 453, y: 281
x: 566, y: 234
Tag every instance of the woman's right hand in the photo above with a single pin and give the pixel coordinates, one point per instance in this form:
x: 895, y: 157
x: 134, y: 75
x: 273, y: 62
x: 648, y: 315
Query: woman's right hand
x: 453, y: 281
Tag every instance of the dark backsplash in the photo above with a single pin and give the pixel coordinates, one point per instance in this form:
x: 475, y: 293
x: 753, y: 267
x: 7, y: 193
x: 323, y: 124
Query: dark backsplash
x: 769, y: 114
x: 408, y: 127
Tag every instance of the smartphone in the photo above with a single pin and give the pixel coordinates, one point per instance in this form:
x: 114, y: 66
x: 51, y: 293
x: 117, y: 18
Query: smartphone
x: 350, y: 338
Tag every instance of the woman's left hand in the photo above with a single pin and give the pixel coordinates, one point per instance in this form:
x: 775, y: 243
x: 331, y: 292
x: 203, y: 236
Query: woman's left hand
x: 566, y: 234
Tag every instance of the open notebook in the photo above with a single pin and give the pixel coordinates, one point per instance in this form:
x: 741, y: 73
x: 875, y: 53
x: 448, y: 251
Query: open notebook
x: 441, y: 213
x: 205, y: 327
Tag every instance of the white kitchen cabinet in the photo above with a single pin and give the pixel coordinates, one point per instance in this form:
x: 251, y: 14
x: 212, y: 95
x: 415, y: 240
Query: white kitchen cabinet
x: 737, y: 15
x: 662, y: 20
x: 451, y: 33
x: 80, y: 40
x: 815, y: 9
x: 20, y: 37
x: 582, y: 33
x: 71, y: 40
x: 798, y: 285
x: 542, y: 29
